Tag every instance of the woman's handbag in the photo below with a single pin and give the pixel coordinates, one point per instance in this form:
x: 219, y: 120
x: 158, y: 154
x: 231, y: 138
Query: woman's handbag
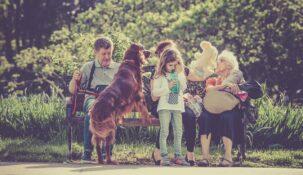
x: 217, y: 102
x: 195, y: 107
x: 253, y: 88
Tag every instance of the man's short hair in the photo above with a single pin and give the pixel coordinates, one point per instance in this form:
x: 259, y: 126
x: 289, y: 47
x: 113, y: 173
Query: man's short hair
x: 103, y: 42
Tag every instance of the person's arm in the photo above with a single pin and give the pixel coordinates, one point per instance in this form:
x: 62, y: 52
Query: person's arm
x: 78, y: 76
x: 193, y: 77
x: 211, y: 84
x: 197, y: 75
x: 159, y: 88
x: 215, y: 87
x: 235, y: 77
x: 75, y: 79
x: 232, y: 87
x: 182, y: 80
x: 232, y: 81
x: 151, y: 87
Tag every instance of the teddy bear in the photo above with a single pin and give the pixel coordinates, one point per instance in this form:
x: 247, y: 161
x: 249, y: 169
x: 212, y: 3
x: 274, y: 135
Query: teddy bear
x: 205, y: 62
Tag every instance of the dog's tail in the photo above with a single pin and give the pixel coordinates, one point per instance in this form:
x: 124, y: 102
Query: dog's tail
x: 103, y: 129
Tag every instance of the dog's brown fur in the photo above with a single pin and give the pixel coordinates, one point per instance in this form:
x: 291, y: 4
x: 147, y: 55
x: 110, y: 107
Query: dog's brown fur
x: 118, y: 99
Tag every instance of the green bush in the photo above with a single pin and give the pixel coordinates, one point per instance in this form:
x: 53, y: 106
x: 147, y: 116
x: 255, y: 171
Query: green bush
x: 42, y: 116
x: 278, y: 124
x: 41, y: 70
x: 265, y: 35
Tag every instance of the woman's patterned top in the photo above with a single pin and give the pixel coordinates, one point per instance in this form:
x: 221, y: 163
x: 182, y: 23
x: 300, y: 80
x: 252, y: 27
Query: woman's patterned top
x: 196, y: 87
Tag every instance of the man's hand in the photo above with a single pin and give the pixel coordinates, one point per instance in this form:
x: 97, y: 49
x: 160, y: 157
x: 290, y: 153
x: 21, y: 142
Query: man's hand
x: 77, y: 75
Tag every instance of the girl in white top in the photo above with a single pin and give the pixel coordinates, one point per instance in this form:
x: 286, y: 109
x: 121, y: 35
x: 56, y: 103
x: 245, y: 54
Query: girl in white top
x: 169, y: 84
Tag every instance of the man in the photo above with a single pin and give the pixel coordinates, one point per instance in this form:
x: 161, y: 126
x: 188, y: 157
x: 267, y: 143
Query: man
x: 94, y: 76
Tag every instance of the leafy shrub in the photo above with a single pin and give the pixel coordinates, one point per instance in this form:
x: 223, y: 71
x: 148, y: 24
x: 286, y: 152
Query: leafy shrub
x: 42, y: 116
x: 41, y: 70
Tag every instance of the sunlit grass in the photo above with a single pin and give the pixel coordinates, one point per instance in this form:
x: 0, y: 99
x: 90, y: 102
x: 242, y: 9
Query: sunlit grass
x: 32, y: 150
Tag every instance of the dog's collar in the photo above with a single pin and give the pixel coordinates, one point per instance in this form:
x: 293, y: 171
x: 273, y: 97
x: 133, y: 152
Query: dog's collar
x: 133, y: 63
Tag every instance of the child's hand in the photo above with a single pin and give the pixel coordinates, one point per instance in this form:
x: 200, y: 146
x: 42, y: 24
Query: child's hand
x: 171, y: 84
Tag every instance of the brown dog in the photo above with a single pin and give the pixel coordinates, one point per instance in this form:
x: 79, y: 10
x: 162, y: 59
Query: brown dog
x: 118, y: 99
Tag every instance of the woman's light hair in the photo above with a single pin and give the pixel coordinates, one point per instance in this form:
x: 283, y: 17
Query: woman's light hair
x: 229, y: 57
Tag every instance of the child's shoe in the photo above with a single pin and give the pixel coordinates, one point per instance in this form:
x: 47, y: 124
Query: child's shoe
x: 165, y: 161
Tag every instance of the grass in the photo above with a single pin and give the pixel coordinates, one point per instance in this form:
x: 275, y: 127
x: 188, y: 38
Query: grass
x: 33, y: 150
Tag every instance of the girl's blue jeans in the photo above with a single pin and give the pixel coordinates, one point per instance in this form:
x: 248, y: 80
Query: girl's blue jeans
x: 165, y: 117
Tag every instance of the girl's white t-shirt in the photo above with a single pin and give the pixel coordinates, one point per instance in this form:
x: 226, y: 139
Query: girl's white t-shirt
x: 160, y: 89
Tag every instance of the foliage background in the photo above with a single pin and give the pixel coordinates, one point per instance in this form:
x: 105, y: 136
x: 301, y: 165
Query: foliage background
x: 43, y: 42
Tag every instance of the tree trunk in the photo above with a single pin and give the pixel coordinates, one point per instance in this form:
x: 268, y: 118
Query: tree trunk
x: 8, y: 36
x: 17, y: 25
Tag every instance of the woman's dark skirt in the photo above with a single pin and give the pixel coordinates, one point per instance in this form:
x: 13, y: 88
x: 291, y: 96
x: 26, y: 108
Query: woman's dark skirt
x: 227, y: 124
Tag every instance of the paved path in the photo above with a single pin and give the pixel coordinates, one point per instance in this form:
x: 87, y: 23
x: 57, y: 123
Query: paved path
x: 86, y: 169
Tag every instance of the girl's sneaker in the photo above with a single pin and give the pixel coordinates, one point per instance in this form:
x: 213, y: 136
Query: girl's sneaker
x: 165, y: 161
x: 86, y: 158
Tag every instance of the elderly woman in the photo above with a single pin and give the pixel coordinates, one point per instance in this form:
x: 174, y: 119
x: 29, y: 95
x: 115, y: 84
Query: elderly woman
x: 223, y: 125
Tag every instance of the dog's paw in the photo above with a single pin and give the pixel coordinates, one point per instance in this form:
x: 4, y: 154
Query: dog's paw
x: 112, y: 162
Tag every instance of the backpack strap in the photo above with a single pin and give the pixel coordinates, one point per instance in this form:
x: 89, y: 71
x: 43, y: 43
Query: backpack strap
x: 91, y: 76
